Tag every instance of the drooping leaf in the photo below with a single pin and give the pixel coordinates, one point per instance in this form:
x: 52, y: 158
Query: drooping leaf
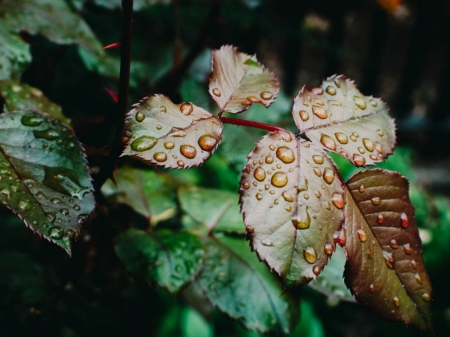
x: 14, y: 53
x: 19, y: 96
x: 331, y: 281
x: 292, y: 201
x: 238, y: 80
x: 148, y: 193
x: 165, y: 258
x: 174, y: 135
x: 339, y: 118
x: 384, y: 268
x: 218, y: 210
x: 43, y: 176
x: 241, y: 287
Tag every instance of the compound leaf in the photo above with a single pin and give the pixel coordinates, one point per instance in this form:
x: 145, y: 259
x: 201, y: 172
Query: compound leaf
x: 234, y: 281
x: 384, y: 268
x: 43, y: 176
x: 174, y: 135
x: 238, y: 80
x: 292, y: 201
x: 14, y: 52
x: 165, y: 258
x: 339, y: 118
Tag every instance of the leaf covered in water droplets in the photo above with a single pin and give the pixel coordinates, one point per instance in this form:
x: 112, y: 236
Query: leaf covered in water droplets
x: 44, y: 177
x: 173, y: 135
x: 165, y: 258
x: 235, y: 282
x: 384, y: 268
x: 292, y: 201
x: 238, y: 80
x: 339, y: 118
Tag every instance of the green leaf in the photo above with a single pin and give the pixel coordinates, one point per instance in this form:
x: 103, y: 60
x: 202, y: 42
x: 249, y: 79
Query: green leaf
x: 19, y: 96
x: 292, y: 201
x: 137, y: 5
x: 165, y: 258
x: 384, y: 269
x: 310, y: 325
x: 238, y: 80
x: 148, y: 193
x: 331, y: 281
x: 217, y: 210
x: 339, y: 118
x: 174, y: 135
x: 44, y: 178
x: 244, y: 291
x: 14, y: 53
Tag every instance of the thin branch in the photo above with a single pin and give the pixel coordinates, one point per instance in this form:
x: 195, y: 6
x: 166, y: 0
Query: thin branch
x: 251, y: 124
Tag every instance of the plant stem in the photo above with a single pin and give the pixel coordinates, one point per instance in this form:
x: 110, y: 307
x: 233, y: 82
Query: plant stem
x: 251, y: 124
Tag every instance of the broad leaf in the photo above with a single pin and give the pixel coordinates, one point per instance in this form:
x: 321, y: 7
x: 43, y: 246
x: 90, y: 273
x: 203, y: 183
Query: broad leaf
x: 339, y: 118
x: 137, y: 5
x: 384, y: 267
x: 43, y: 176
x: 238, y: 80
x: 292, y: 200
x: 244, y: 291
x: 174, y: 135
x: 148, y: 193
x: 14, y: 53
x: 19, y: 96
x: 165, y: 258
x: 217, y: 210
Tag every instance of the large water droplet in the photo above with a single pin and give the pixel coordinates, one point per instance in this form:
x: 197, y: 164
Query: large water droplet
x: 328, y: 175
x: 24, y: 204
x: 404, y: 220
x: 259, y: 173
x: 328, y: 142
x: 362, y: 235
x: 302, y: 223
x: 188, y: 151
x: 340, y: 237
x: 186, y: 108
x: 375, y: 201
x: 286, y: 196
x: 31, y: 120
x: 180, y: 163
x: 341, y: 137
x: 143, y: 143
x: 394, y: 244
x: 318, y: 159
x: 140, y: 116
x: 328, y: 248
x: 259, y: 196
x: 56, y: 233
x: 359, y: 102
x: 285, y: 154
x: 358, y: 160
x: 48, y: 134
x: 330, y: 90
x: 279, y: 179
x: 396, y: 301
x: 319, y: 112
x: 426, y: 297
x: 310, y: 255
x: 266, y: 95
x: 368, y: 144
x: 169, y: 145
x: 317, y: 171
x: 207, y: 142
x: 338, y: 200
x: 160, y: 157
x: 216, y: 92
x: 246, y: 186
x: 304, y: 115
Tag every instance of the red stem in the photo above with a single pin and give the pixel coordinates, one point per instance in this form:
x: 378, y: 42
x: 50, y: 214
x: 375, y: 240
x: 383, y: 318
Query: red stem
x: 251, y: 124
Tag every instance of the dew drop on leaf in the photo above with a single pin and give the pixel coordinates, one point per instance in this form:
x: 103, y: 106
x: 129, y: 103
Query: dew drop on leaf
x: 28, y: 120
x: 216, y: 92
x: 372, y: 288
x: 359, y: 102
x: 426, y: 297
x: 24, y: 204
x: 328, y: 175
x: 169, y: 145
x: 259, y: 174
x: 143, y: 143
x: 341, y: 137
x: 207, y: 142
x: 359, y: 160
x: 310, y: 255
x: 266, y: 95
x: 160, y: 157
x: 56, y: 233
x: 328, y: 142
x: 140, y: 116
x: 340, y: 237
x: 362, y: 235
x: 316, y: 270
x: 328, y: 248
x: 259, y: 196
x: 279, y: 179
x: 418, y: 278
x: 48, y: 134
x: 394, y: 244
x: 249, y: 229
x: 380, y: 218
x: 180, y: 163
x: 304, y: 115
x: 396, y: 302
x: 404, y: 220
x: 319, y: 112
x: 330, y: 90
x: 186, y: 108
x: 188, y: 151
x: 407, y: 248
x: 338, y: 200
x: 287, y: 196
x: 285, y: 154
x: 361, y: 189
x: 318, y: 159
x: 246, y: 186
x: 375, y: 201
x: 368, y: 144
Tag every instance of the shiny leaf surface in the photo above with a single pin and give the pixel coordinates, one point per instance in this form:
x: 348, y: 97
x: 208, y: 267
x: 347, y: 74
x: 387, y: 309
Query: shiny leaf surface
x: 14, y: 52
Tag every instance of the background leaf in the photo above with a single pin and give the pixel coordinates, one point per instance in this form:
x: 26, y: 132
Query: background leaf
x: 14, y: 53
x: 239, y: 80
x: 173, y: 135
x: 292, y: 203
x: 44, y: 178
x: 384, y: 269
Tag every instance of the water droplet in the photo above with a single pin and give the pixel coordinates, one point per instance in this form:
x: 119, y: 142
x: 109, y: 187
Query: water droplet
x: 259, y: 196
x: 316, y: 270
x: 396, y: 302
x: 318, y: 194
x: 48, y: 134
x: 304, y: 115
x: 287, y: 196
x: 246, y: 186
x: 375, y: 201
x: 28, y: 120
x: 269, y: 159
x: 5, y: 192
x: 267, y: 243
x: 372, y: 288
x: 266, y: 95
x: 56, y: 201
x: 249, y: 229
x: 358, y: 160
x: 160, y: 157
x: 271, y: 147
x: 24, y: 204
x: 82, y: 219
x: 378, y: 147
x: 76, y: 207
x: 408, y: 249
x: 340, y: 237
x: 51, y: 216
x: 216, y: 92
x: 426, y: 297
x: 341, y: 137
x: 394, y: 244
x: 188, y: 151
x: 266, y: 186
x: 169, y: 145
x: 317, y: 171
x: 319, y: 112
x: 404, y: 220
x: 140, y: 116
x: 64, y: 211
x: 389, y: 259
x: 373, y: 102
x: 285, y: 154
x: 353, y: 138
x: 186, y: 108
x: 328, y: 142
x: 362, y: 235
x: 418, y: 278
x: 70, y: 233
x: 328, y: 175
x: 255, y: 184
x: 380, y: 218
x: 318, y: 159
x: 279, y: 179
x: 288, y: 208
x: 368, y: 144
x: 56, y: 233
x: 207, y: 142
x: 373, y: 157
x: 361, y: 189
x: 328, y: 248
x: 302, y: 223
x: 361, y: 150
x: 338, y: 200
x: 330, y: 90
x: 414, y: 264
x: 158, y: 127
x: 380, y: 133
x: 259, y: 173
x: 70, y: 145
x: 317, y: 90
x: 359, y: 102
x: 143, y: 143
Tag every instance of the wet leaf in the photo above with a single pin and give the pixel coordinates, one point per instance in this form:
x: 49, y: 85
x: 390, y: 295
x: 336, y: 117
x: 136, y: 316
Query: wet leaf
x: 165, y: 258
x: 339, y: 118
x: 14, y: 53
x: 148, y: 193
x: 217, y: 210
x: 292, y: 200
x: 239, y: 286
x: 384, y: 269
x: 19, y: 96
x: 238, y: 80
x: 43, y: 176
x: 173, y: 135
